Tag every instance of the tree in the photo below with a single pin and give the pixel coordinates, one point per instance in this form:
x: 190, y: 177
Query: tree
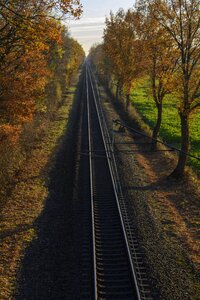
x: 73, y: 58
x: 28, y: 32
x: 64, y: 60
x: 181, y: 19
x: 25, y: 73
x: 22, y: 22
x: 123, y: 49
x: 159, y: 59
x: 112, y: 46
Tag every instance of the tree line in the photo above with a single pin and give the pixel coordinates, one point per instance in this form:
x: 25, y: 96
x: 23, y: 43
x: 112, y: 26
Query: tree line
x: 37, y: 60
x: 159, y: 39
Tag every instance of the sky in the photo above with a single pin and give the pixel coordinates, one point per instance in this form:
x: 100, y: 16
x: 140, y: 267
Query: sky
x: 89, y: 29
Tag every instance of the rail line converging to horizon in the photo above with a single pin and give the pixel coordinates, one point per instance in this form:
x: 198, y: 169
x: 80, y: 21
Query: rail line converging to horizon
x: 116, y: 269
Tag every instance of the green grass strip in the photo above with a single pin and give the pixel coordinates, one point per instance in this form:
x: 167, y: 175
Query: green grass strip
x: 170, y: 128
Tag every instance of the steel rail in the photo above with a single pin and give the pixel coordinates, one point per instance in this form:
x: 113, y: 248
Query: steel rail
x: 91, y: 187
x: 114, y: 177
x: 144, y: 288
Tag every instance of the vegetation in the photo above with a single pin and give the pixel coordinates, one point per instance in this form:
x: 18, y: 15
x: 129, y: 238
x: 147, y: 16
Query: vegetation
x: 181, y: 19
x: 170, y: 128
x: 123, y: 51
x: 28, y: 193
x: 158, y: 40
x: 37, y: 62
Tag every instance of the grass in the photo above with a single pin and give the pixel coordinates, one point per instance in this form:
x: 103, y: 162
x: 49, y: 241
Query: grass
x: 26, y: 199
x: 170, y: 128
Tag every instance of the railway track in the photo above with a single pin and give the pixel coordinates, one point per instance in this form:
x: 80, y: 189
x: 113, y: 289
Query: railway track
x: 112, y: 262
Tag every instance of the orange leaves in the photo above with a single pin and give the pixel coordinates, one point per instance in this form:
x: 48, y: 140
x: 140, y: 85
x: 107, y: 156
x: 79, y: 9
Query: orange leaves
x: 122, y: 47
x: 21, y: 111
x: 24, y: 86
x: 30, y: 38
x: 9, y: 133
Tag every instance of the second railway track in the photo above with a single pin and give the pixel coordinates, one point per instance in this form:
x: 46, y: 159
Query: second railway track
x: 115, y: 270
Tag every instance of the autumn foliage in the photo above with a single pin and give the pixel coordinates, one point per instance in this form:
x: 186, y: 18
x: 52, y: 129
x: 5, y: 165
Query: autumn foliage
x: 37, y: 60
x: 158, y: 40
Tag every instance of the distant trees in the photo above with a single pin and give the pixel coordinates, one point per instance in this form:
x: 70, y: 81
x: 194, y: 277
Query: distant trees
x: 64, y: 60
x: 102, y: 64
x: 159, y: 39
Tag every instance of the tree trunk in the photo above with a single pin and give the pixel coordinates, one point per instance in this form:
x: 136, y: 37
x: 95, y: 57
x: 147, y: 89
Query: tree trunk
x: 157, y: 126
x: 117, y: 90
x: 127, y: 101
x: 179, y: 170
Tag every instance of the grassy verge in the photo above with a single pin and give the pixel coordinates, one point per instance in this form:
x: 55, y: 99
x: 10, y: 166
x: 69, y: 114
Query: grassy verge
x: 27, y: 197
x: 170, y: 128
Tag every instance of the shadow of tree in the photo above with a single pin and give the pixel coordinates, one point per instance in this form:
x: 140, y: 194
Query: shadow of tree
x: 162, y: 184
x: 18, y: 229
x: 50, y: 268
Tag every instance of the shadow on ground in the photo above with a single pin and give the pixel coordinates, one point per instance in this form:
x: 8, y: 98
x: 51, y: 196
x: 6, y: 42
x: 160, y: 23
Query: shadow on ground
x: 50, y: 269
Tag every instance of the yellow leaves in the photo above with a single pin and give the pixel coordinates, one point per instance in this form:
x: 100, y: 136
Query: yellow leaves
x: 69, y: 7
x: 30, y: 235
x: 74, y: 56
x: 40, y: 106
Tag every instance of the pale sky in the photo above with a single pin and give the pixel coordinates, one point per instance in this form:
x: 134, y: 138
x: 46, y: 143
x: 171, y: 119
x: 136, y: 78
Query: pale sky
x: 89, y: 29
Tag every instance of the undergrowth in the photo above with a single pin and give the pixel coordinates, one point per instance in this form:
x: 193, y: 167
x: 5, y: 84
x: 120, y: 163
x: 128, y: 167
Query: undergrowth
x: 24, y: 200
